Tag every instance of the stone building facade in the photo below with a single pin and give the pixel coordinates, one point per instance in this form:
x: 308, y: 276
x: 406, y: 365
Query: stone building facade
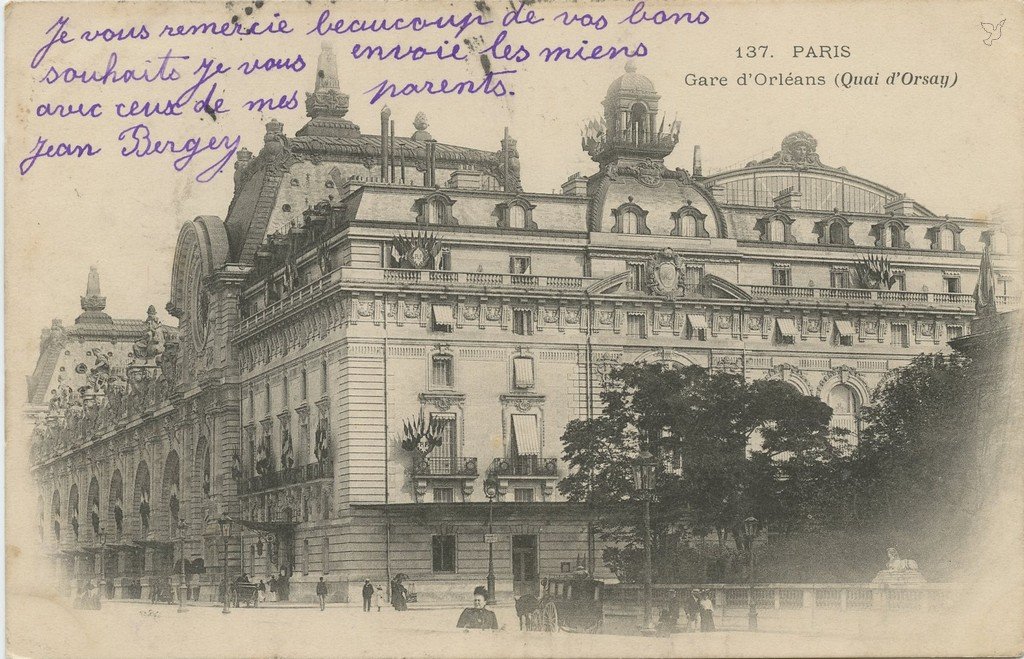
x: 365, y: 290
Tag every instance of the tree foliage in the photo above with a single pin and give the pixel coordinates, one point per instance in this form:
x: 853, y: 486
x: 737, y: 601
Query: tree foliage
x: 709, y: 478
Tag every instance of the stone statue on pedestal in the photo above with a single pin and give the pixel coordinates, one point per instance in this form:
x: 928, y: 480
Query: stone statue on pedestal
x: 899, y: 570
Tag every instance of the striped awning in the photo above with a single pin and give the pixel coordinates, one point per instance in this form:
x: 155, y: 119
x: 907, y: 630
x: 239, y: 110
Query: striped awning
x: 697, y: 322
x: 787, y: 326
x: 443, y: 315
x: 845, y: 328
x: 524, y: 432
x: 522, y: 371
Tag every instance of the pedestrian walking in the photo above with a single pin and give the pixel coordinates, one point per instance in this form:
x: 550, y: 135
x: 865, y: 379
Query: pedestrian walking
x: 378, y: 598
x: 321, y: 593
x: 478, y: 616
x: 367, y: 595
x: 669, y: 620
x: 262, y: 591
x: 707, y: 612
x: 399, y: 595
x: 691, y: 606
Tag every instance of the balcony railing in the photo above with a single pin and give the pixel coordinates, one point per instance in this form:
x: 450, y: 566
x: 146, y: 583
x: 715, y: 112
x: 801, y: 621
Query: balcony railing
x: 525, y: 465
x: 957, y: 299
x: 484, y: 278
x: 282, y: 477
x: 445, y: 467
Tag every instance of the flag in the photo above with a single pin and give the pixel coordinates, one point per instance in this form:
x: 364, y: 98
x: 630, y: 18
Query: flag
x: 985, y: 289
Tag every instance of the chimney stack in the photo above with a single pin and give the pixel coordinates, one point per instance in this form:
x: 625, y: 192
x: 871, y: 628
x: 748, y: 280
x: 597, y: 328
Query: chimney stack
x: 697, y: 166
x: 385, y: 155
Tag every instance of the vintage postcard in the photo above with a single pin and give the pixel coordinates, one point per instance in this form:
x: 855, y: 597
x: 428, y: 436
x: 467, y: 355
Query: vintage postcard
x: 513, y: 328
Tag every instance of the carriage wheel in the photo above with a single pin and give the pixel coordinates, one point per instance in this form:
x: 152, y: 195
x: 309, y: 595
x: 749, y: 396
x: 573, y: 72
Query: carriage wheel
x: 549, y: 618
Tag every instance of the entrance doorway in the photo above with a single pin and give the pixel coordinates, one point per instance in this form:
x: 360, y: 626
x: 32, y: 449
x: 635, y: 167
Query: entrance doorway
x: 525, y: 573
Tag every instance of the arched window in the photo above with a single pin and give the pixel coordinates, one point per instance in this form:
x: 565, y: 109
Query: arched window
x: 946, y: 240
x: 435, y: 211
x: 776, y: 231
x: 997, y: 242
x: 836, y: 234
x: 516, y: 217
x: 638, y: 122
x: 845, y: 404
x: 895, y: 236
x: 687, y: 226
x: 630, y: 221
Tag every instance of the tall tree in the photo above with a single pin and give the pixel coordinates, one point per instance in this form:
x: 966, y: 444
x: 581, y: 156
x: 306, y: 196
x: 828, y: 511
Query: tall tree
x: 700, y: 423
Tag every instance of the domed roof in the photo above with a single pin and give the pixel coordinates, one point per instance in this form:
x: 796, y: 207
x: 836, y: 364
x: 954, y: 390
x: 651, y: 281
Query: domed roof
x: 631, y: 82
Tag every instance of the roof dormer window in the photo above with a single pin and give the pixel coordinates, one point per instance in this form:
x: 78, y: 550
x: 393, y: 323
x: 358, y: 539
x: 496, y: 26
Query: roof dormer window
x: 891, y: 233
x: 945, y: 237
x: 516, y: 214
x: 833, y: 231
x: 776, y: 228
x: 435, y: 209
x: 689, y: 222
x: 630, y: 218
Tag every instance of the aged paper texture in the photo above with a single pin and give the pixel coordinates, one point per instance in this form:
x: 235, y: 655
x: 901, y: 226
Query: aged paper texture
x: 523, y: 328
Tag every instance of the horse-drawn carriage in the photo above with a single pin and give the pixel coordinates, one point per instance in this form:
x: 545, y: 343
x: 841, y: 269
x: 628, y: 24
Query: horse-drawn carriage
x: 244, y: 593
x: 567, y: 603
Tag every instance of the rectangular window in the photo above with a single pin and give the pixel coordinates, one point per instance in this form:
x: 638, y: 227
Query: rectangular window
x: 636, y: 276
x: 443, y: 317
x: 693, y: 276
x: 443, y: 553
x: 901, y: 281
x: 840, y: 278
x: 442, y: 371
x: 444, y: 260
x: 782, y: 275
x: 522, y: 322
x: 636, y: 325
x: 785, y: 331
x: 954, y: 331
x: 522, y: 372
x: 696, y: 327
x: 449, y: 436
x: 325, y: 556
x: 951, y: 284
x: 305, y: 556
x: 284, y: 389
x: 900, y: 335
x: 266, y: 399
x: 519, y: 265
x: 444, y: 495
x: 524, y: 495
x: 844, y: 332
x: 304, y: 385
x: 323, y: 378
x: 525, y: 435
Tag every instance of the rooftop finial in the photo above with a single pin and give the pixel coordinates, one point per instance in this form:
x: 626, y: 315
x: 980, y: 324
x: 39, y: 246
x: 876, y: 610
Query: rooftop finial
x: 421, y: 125
x: 93, y: 303
x: 92, y: 287
x: 630, y: 66
x: 326, y: 99
x: 327, y: 70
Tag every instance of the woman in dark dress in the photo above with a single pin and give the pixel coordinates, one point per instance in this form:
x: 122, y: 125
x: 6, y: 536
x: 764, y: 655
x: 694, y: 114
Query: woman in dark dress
x: 478, y: 616
x: 399, y: 596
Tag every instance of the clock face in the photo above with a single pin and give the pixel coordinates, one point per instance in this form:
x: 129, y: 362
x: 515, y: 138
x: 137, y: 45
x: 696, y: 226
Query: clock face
x: 199, y: 303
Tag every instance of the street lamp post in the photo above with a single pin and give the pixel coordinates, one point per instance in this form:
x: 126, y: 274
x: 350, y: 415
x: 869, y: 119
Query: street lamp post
x: 103, y: 556
x: 225, y: 531
x: 750, y: 530
x: 643, y: 480
x: 491, y: 490
x: 184, y: 584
